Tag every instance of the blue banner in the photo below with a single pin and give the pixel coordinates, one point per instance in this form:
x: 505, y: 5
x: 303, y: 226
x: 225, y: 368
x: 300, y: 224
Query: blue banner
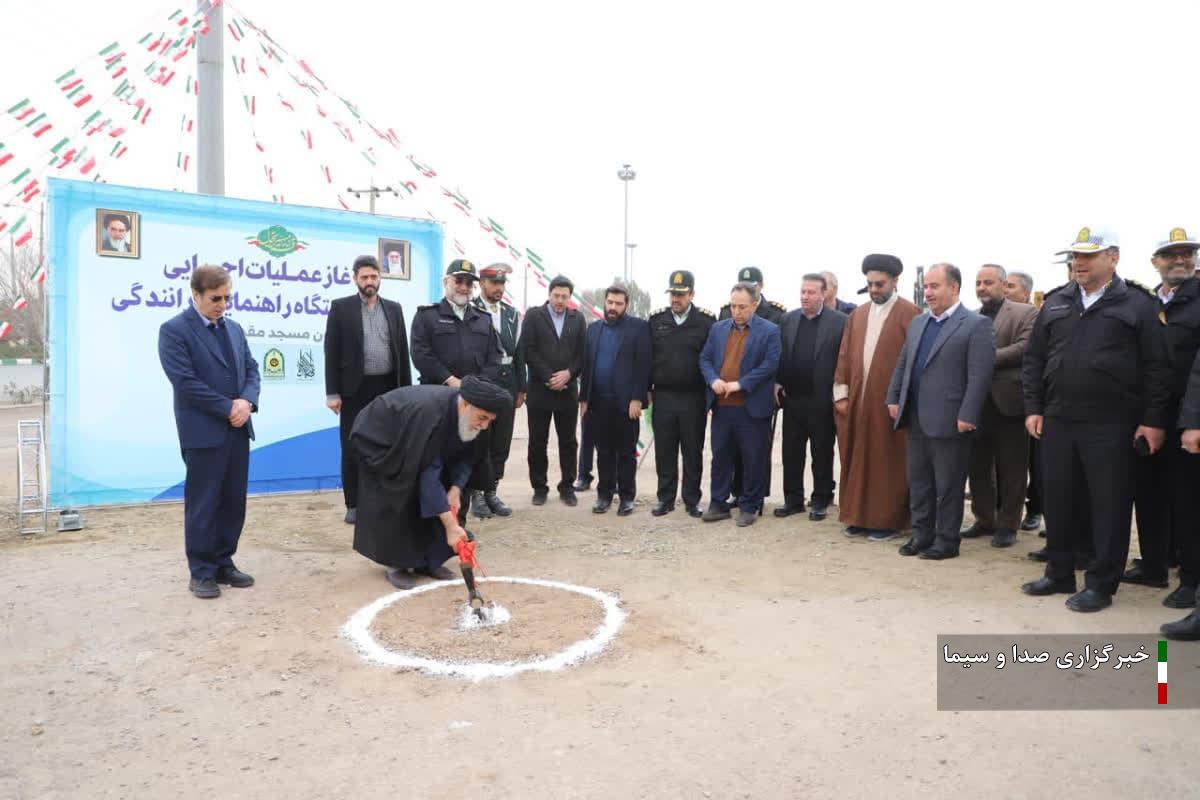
x: 120, y: 263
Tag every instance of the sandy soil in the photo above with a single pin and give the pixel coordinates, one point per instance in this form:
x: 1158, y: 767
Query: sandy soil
x: 782, y: 660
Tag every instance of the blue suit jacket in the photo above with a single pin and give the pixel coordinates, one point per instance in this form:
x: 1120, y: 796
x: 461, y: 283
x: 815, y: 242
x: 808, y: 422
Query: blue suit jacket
x: 760, y: 361
x: 632, y: 369
x: 192, y: 359
x: 957, y: 377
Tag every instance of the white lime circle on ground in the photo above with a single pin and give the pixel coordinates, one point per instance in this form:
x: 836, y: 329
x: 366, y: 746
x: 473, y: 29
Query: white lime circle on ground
x: 358, y: 630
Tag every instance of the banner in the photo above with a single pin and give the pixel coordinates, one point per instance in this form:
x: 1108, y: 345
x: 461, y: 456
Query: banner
x: 121, y: 261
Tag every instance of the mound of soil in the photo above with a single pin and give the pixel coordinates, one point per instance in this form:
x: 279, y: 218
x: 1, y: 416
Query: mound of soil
x: 544, y: 621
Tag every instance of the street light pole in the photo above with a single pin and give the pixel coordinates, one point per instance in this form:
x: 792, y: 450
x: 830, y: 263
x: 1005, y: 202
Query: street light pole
x: 374, y: 192
x: 626, y: 174
x: 629, y: 246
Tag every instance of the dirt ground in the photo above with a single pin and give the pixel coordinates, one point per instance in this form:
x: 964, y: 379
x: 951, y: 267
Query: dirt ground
x: 782, y: 660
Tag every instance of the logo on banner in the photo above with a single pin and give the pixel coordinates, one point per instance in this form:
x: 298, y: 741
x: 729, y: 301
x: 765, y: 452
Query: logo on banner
x: 276, y: 240
x: 273, y: 364
x: 306, y: 368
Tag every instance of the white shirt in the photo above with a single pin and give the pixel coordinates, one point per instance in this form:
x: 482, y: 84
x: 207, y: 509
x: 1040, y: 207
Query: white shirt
x: 878, y: 315
x: 1165, y: 297
x: 494, y: 310
x: 682, y: 318
x: 1089, y: 299
x: 459, y: 311
x: 945, y: 315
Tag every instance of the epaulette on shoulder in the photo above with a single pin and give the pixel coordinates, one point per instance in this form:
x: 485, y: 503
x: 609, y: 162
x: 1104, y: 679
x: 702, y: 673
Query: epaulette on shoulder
x: 430, y: 305
x: 705, y: 312
x: 1055, y: 290
x: 778, y: 305
x: 1141, y: 286
x: 658, y: 311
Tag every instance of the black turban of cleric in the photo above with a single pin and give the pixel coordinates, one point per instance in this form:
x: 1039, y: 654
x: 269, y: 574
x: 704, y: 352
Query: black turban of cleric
x: 485, y: 394
x: 880, y: 262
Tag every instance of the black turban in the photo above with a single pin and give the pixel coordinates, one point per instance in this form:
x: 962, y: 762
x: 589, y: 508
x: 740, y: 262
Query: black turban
x: 485, y: 394
x: 880, y: 262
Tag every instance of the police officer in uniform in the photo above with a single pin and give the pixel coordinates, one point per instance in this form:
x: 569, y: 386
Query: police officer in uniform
x: 511, y: 375
x: 772, y: 312
x: 1097, y: 388
x: 452, y: 339
x: 1167, y: 480
x: 677, y: 335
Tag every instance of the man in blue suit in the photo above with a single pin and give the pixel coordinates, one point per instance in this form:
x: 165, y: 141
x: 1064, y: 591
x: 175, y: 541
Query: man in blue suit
x: 616, y: 377
x: 939, y: 385
x: 216, y: 383
x: 739, y: 361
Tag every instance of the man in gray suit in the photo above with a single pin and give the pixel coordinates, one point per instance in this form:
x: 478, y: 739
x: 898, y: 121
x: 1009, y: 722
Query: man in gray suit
x: 938, y: 388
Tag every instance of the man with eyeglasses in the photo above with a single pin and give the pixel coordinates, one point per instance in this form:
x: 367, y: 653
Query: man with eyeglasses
x: 1165, y: 482
x: 452, y: 339
x: 216, y: 383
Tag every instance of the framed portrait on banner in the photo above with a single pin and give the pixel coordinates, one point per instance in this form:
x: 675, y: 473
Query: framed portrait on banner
x: 118, y: 233
x: 394, y: 259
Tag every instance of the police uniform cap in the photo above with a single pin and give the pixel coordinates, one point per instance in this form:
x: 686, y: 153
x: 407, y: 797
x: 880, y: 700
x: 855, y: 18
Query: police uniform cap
x: 682, y: 282
x: 752, y: 274
x: 461, y: 266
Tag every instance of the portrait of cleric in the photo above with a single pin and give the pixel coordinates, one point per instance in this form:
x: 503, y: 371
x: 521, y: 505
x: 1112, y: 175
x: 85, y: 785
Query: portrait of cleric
x: 393, y: 259
x: 118, y: 233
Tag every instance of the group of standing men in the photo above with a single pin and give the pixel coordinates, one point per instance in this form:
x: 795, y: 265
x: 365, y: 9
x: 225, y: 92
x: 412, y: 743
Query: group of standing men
x: 1102, y: 385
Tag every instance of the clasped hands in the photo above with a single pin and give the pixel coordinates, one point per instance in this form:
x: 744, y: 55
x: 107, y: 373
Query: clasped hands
x: 239, y: 413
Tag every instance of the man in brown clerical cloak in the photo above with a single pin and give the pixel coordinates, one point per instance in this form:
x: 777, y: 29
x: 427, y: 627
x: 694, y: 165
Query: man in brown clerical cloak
x: 873, y: 500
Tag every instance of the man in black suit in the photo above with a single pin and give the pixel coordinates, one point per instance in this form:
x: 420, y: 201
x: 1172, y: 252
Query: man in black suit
x: 366, y: 355
x: 811, y: 338
x: 616, y: 377
x: 552, y: 342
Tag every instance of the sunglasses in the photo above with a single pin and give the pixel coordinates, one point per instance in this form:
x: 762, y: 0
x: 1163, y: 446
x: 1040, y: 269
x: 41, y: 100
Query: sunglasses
x: 220, y: 298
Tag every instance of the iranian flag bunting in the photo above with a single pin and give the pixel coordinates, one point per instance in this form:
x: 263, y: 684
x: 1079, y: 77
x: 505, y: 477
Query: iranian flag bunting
x: 5, y: 329
x: 39, y: 274
x: 20, y: 303
x: 24, y: 238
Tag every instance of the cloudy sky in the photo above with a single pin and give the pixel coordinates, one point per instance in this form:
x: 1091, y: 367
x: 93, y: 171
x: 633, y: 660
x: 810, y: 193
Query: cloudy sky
x: 796, y: 139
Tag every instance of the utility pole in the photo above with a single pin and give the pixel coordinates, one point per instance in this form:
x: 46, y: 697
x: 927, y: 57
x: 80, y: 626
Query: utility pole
x: 210, y: 103
x: 626, y: 174
x: 373, y: 191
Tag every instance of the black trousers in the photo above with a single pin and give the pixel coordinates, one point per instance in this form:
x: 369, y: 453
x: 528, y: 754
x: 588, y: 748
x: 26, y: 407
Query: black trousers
x: 214, y: 502
x: 679, y: 419
x: 501, y: 431
x: 807, y: 423
x: 999, y: 468
x: 616, y: 437
x: 1164, y: 491
x: 1033, y: 497
x: 564, y: 418
x: 1088, y: 465
x: 735, y: 487
x: 371, y: 387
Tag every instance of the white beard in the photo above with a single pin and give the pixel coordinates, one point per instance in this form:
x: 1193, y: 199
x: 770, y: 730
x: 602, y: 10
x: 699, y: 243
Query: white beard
x: 465, y: 431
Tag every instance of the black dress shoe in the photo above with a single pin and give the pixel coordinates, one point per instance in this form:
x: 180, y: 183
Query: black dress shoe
x: 939, y: 551
x: 625, y: 508
x: 976, y: 530
x: 1185, y: 630
x: 1183, y: 597
x: 601, y: 506
x: 1044, y: 586
x: 1004, y: 537
x: 400, y: 578
x: 1031, y: 522
x: 497, y: 505
x: 1040, y: 555
x: 787, y: 511
x: 568, y: 497
x: 912, y: 547
x: 715, y: 513
x: 479, y: 506
x: 1140, y: 575
x: 204, y: 588
x: 856, y: 530
x: 694, y: 511
x: 437, y: 573
x: 351, y: 516
x: 583, y: 485
x: 1089, y: 600
x: 539, y: 498
x: 818, y: 512
x: 661, y: 508
x: 234, y: 577
x: 746, y: 518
